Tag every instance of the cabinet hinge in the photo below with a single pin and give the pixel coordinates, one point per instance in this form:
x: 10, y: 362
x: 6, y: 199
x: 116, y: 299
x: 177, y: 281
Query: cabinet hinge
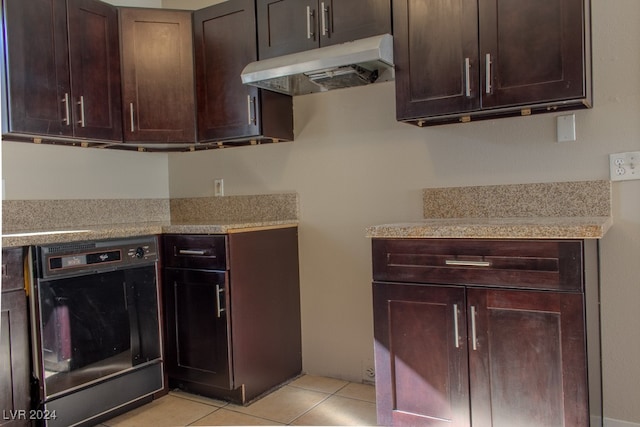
x: 465, y: 119
x: 525, y: 112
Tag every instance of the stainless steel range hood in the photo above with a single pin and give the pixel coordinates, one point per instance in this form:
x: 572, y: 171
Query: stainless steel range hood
x: 344, y: 65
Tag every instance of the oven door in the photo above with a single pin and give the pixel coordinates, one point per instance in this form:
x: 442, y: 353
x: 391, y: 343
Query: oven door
x: 95, y: 326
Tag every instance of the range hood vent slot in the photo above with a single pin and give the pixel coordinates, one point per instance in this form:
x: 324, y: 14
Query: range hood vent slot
x: 348, y: 64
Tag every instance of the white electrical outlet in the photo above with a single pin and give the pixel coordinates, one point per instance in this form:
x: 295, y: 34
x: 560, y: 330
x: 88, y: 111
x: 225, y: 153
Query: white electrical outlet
x: 218, y: 187
x: 624, y: 166
x: 368, y: 371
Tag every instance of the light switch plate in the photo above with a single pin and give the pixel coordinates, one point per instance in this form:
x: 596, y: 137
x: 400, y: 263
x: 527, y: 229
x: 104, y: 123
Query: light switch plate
x: 566, y: 128
x: 218, y: 187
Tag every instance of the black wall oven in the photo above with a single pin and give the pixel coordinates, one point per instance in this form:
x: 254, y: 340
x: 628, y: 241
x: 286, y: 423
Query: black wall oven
x: 95, y: 327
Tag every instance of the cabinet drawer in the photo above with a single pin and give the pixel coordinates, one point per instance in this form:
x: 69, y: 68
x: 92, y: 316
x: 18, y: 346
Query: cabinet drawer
x: 531, y: 264
x: 12, y: 269
x: 195, y: 251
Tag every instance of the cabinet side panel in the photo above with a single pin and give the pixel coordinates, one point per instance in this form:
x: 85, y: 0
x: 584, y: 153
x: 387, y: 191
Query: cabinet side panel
x: 594, y: 347
x: 265, y: 308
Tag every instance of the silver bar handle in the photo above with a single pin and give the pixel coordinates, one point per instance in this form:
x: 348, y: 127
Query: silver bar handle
x: 325, y: 18
x: 310, y: 14
x: 461, y: 263
x: 219, y: 308
x: 474, y: 338
x: 251, y: 110
x: 190, y: 252
x: 456, y: 334
x: 81, y: 122
x: 66, y: 120
x: 133, y: 129
x: 467, y: 77
x: 487, y: 71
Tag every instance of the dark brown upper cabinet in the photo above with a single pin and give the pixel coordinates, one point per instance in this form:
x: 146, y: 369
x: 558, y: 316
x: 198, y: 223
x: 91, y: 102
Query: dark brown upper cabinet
x: 157, y: 75
x: 227, y: 109
x: 471, y: 59
x: 289, y: 26
x: 62, y: 69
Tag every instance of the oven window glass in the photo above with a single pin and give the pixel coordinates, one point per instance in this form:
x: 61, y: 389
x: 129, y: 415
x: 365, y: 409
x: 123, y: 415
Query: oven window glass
x: 97, y: 325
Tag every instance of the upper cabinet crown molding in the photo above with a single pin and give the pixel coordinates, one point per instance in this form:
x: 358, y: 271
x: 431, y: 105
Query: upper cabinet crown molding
x: 68, y: 86
x: 489, y: 58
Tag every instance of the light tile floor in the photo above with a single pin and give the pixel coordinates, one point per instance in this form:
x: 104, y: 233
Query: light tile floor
x: 307, y: 401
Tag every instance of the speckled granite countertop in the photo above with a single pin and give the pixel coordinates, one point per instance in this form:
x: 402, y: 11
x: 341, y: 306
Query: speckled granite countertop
x: 497, y: 228
x: 40, y: 222
x: 571, y: 210
x: 31, y: 237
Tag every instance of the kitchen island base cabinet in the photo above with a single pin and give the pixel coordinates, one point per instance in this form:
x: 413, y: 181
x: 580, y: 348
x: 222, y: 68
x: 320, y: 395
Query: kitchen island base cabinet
x: 232, y: 309
x: 460, y: 354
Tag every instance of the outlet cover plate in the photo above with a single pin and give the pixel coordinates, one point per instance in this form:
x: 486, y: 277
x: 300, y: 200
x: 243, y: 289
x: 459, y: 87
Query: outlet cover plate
x: 624, y: 166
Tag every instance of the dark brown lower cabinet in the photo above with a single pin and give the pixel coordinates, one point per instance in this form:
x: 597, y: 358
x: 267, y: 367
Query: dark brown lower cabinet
x: 460, y: 354
x: 14, y: 342
x: 232, y: 312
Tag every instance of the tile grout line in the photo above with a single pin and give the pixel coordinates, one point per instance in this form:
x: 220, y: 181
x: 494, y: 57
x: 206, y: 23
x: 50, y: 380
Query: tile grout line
x: 329, y: 395
x: 204, y: 416
x: 311, y: 408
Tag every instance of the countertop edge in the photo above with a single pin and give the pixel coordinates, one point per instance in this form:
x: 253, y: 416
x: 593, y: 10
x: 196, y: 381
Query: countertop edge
x: 110, y: 231
x: 496, y: 228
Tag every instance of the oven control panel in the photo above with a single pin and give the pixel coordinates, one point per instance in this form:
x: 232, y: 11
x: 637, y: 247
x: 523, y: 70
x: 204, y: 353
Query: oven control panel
x: 142, y: 252
x: 60, y: 259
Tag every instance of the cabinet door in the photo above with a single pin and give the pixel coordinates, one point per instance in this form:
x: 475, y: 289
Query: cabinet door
x: 14, y: 358
x: 157, y: 75
x: 346, y: 20
x: 226, y: 107
x: 435, y: 55
x: 14, y: 340
x: 286, y: 26
x: 197, y: 327
x: 95, y: 69
x: 527, y: 352
x: 536, y: 49
x: 38, y: 90
x: 421, y: 355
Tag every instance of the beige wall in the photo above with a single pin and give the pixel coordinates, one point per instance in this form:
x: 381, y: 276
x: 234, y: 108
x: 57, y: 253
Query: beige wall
x: 353, y: 165
x: 32, y: 172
